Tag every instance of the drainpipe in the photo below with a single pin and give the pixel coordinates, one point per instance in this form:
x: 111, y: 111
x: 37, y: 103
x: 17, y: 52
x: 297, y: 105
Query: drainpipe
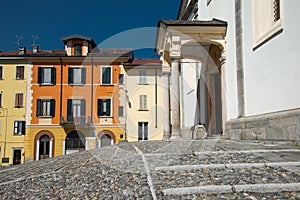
x: 239, y: 58
x: 155, y: 97
x: 61, y: 88
x: 92, y: 89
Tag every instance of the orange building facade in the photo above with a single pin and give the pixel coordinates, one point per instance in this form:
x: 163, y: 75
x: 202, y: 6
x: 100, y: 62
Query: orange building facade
x: 75, y: 99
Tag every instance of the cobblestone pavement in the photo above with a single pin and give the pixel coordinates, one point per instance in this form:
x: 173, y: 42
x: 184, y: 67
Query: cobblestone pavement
x: 203, y: 169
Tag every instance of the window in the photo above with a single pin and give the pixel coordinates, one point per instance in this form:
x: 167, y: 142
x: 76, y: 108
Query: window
x: 19, y: 100
x: 143, y: 102
x: 121, y: 79
x: 104, y: 107
x: 121, y: 111
x: 106, y: 75
x: 76, y: 110
x: 0, y: 100
x: 45, y: 108
x: 267, y: 20
x: 143, y: 130
x: 76, y: 75
x: 19, y: 127
x: 77, y: 50
x: 20, y: 72
x: 1, y: 72
x: 143, y: 77
x: 46, y: 75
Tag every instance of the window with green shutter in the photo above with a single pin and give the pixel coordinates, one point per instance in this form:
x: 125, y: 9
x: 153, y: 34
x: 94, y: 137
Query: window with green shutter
x: 76, y: 75
x: 104, y: 107
x: 45, y: 108
x: 106, y: 75
x: 47, y: 75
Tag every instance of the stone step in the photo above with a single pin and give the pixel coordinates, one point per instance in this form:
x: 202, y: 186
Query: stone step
x: 228, y: 189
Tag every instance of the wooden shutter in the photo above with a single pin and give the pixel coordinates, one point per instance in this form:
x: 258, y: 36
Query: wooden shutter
x: 1, y: 69
x: 39, y: 107
x: 83, y: 75
x: 146, y: 131
x: 140, y: 130
x: 70, y: 76
x: 69, y: 110
x: 19, y: 100
x: 52, y: 107
x: 100, y: 111
x: 53, y: 75
x: 108, y: 103
x: 40, y: 75
x: 82, y: 107
x: 23, y: 127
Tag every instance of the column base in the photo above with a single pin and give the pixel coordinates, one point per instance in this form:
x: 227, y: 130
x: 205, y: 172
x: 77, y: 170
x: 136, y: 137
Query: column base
x: 175, y: 136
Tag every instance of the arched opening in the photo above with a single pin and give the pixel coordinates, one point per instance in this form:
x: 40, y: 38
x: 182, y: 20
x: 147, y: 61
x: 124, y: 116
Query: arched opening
x: 105, y: 138
x: 44, y: 145
x: 205, y: 57
x: 75, y: 142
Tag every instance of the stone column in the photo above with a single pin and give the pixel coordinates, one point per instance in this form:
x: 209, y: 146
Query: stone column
x: 175, y: 100
x: 166, y: 93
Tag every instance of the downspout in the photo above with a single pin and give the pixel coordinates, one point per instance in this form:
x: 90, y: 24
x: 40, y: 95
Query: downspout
x: 61, y: 89
x: 239, y: 58
x: 156, y: 97
x: 92, y: 89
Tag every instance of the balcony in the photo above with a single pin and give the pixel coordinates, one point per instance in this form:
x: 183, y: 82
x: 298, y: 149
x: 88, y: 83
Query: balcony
x: 70, y: 120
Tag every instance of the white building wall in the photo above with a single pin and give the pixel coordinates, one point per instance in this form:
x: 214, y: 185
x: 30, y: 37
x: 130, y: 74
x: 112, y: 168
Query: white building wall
x: 272, y: 73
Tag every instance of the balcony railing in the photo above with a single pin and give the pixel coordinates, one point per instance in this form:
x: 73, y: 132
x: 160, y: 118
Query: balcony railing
x: 82, y: 120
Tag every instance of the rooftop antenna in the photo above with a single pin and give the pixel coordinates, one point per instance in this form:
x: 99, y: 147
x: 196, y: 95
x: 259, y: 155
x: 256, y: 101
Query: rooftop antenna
x: 19, y: 39
x: 34, y: 40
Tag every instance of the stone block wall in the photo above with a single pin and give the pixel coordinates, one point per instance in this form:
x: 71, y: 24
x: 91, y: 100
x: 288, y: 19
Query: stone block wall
x: 279, y: 127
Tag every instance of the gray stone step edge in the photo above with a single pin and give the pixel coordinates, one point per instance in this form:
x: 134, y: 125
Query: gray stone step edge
x: 223, y: 189
x: 224, y: 165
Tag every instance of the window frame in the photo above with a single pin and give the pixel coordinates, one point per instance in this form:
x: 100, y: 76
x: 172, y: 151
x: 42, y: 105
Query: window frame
x: 1, y: 95
x: 41, y: 75
x: 143, y: 77
x: 141, y: 131
x: 143, y: 102
x: 264, y: 31
x: 20, y: 70
x: 70, y: 111
x: 17, y: 99
x: 40, y: 108
x: 121, y: 79
x: 77, y: 52
x: 18, y: 124
x: 71, y: 75
x: 111, y: 75
x: 100, y: 108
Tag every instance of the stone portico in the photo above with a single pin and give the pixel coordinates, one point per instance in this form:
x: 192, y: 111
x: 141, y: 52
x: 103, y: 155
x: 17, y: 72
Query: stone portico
x: 200, y: 44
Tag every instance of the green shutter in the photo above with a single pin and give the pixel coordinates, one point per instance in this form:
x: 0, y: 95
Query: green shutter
x: 38, y: 107
x: 108, y: 107
x: 69, y: 110
x: 52, y: 107
x: 82, y: 107
x: 70, y: 76
x: 100, y: 113
x: 40, y: 75
x: 53, y: 75
x: 83, y: 75
x: 23, y: 127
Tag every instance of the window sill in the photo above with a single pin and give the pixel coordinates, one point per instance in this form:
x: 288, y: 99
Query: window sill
x: 143, y: 84
x: 143, y: 110
x: 20, y: 79
x: 19, y: 106
x: 76, y: 84
x: 47, y: 84
x: 276, y: 29
x: 18, y: 134
x: 45, y: 117
x: 106, y: 84
x: 105, y: 116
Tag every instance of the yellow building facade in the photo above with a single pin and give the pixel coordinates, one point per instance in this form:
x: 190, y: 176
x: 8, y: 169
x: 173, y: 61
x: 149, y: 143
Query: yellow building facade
x: 13, y: 87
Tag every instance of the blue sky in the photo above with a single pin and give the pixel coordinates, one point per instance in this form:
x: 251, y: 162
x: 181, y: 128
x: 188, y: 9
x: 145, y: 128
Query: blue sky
x: 105, y: 21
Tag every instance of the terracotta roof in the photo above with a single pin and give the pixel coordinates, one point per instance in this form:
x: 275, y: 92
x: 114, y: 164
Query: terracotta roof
x: 110, y: 52
x: 39, y: 53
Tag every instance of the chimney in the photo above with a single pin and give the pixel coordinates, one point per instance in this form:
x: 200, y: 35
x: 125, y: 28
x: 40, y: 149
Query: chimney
x: 35, y: 49
x: 22, y: 50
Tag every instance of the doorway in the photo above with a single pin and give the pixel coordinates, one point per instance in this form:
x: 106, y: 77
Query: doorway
x: 44, y: 151
x: 17, y: 156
